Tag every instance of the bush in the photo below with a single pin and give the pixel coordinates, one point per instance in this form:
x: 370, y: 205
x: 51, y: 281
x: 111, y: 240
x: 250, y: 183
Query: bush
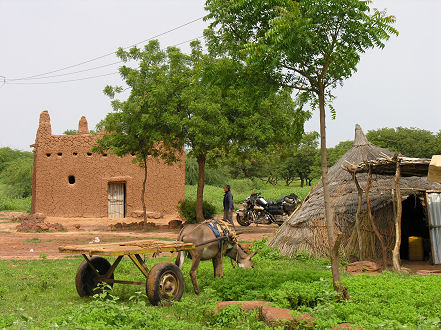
x: 17, y: 175
x: 293, y: 294
x: 15, y: 204
x: 187, y: 210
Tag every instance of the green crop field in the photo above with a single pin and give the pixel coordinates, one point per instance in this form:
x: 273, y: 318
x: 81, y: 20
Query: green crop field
x: 41, y: 294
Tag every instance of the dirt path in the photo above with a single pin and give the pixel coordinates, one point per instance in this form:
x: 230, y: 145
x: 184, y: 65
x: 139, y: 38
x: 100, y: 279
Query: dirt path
x: 22, y: 245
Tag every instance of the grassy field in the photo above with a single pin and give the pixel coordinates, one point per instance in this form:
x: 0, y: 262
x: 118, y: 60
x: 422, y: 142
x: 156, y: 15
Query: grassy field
x: 41, y: 294
x: 241, y: 189
x: 13, y: 204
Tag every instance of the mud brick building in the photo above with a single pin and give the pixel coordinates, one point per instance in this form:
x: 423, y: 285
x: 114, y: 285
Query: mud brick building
x: 71, y: 181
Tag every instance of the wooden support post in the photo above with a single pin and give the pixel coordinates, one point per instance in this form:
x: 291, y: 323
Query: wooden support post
x: 396, y: 251
x: 137, y: 260
x: 357, y: 217
x: 371, y: 218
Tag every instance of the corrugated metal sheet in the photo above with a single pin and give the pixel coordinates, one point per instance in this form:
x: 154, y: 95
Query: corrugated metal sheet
x: 116, y: 200
x: 434, y: 201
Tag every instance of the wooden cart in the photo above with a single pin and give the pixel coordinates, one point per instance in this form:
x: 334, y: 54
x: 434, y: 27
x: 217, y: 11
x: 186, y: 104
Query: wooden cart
x: 164, y: 282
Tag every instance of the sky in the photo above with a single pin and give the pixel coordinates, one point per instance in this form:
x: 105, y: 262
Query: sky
x: 399, y: 85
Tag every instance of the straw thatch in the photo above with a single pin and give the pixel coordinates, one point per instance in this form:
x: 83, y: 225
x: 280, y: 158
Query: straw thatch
x: 306, y: 228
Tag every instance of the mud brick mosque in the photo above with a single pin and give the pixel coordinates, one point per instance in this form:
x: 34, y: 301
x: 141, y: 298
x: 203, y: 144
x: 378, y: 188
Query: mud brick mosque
x: 70, y: 181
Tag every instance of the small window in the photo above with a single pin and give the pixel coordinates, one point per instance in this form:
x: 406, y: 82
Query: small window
x: 104, y: 155
x: 75, y: 153
x: 48, y: 155
x: 71, y: 179
x: 133, y: 155
x: 89, y: 154
x: 60, y: 154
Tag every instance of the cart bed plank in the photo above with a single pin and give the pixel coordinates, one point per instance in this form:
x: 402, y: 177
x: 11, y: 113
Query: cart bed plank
x: 126, y: 248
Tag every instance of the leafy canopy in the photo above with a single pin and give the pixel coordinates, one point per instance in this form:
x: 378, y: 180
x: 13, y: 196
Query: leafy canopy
x: 231, y: 107
x: 145, y: 124
x: 411, y: 142
x: 308, y: 44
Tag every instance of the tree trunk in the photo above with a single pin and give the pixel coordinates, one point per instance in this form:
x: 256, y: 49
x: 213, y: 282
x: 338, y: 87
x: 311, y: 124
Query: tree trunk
x: 327, y: 199
x: 144, y: 207
x: 200, y: 189
x: 302, y: 182
x: 396, y: 251
x: 357, y: 217
x: 371, y: 218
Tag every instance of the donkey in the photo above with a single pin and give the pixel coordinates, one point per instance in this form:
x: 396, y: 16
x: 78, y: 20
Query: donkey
x: 200, y: 233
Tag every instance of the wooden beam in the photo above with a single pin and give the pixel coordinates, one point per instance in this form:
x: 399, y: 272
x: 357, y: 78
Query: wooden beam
x: 396, y: 250
x: 357, y: 217
x: 374, y: 226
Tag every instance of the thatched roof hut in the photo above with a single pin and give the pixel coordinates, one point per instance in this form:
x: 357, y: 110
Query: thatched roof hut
x: 306, y: 227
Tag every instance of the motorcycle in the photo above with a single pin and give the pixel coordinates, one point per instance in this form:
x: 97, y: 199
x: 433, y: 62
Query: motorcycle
x: 257, y: 210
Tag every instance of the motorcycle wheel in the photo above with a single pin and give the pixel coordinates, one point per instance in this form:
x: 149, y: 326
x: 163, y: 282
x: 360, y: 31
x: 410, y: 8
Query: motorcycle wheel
x: 241, y: 220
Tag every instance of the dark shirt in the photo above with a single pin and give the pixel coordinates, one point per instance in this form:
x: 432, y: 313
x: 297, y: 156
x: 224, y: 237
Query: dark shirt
x: 228, y: 201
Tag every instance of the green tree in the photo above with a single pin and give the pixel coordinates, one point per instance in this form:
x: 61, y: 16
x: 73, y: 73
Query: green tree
x: 229, y: 108
x: 335, y: 153
x: 299, y: 161
x: 411, y: 142
x: 145, y: 124
x: 71, y: 132
x: 7, y: 155
x: 309, y: 45
x: 17, y: 174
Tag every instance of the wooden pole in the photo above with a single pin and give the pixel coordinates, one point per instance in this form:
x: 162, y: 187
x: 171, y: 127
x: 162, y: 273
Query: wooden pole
x: 396, y: 251
x: 371, y: 218
x: 357, y: 217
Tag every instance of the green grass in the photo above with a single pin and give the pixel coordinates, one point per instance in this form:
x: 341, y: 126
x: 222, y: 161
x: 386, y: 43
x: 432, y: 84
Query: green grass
x: 32, y: 240
x: 41, y: 294
x: 13, y: 204
x: 241, y: 189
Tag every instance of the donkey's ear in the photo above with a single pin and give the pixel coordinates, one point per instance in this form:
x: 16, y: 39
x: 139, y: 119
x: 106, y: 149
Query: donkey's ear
x: 254, y: 253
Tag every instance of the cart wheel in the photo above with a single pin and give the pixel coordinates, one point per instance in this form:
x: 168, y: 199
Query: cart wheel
x: 165, y: 283
x: 87, y: 280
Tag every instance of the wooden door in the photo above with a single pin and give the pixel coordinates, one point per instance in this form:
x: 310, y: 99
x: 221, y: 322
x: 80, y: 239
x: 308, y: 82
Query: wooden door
x: 116, y: 200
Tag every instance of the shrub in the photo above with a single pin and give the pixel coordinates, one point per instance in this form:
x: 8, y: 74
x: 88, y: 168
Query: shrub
x: 17, y: 174
x: 15, y: 204
x: 293, y: 294
x: 187, y: 209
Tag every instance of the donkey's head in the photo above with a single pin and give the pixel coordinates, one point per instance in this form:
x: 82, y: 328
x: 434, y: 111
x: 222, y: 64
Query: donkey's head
x: 243, y: 259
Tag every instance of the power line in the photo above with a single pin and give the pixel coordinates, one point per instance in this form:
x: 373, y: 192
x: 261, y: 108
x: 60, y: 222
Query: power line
x: 6, y: 81
x: 184, y: 42
x: 66, y: 74
x: 85, y: 70
x: 108, y: 54
x: 60, y: 81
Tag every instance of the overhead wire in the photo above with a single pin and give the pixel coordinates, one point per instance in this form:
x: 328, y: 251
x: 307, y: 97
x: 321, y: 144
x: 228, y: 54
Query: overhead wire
x: 85, y: 70
x: 108, y: 54
x: 69, y: 73
x: 60, y: 81
x: 6, y: 81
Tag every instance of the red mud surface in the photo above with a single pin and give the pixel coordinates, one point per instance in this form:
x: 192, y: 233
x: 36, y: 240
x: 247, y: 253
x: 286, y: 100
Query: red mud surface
x: 34, y: 245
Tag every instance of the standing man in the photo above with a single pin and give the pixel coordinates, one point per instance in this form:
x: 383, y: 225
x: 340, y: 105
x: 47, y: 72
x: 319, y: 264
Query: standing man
x: 228, y: 205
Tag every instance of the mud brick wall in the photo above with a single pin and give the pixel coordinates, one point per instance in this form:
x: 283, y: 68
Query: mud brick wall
x: 60, y: 157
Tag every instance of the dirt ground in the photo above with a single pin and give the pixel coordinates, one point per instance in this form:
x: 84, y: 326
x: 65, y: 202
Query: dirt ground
x: 15, y: 245
x: 35, y: 245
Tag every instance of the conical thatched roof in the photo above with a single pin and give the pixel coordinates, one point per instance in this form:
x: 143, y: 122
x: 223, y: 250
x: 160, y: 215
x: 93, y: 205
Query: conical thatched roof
x: 306, y: 227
